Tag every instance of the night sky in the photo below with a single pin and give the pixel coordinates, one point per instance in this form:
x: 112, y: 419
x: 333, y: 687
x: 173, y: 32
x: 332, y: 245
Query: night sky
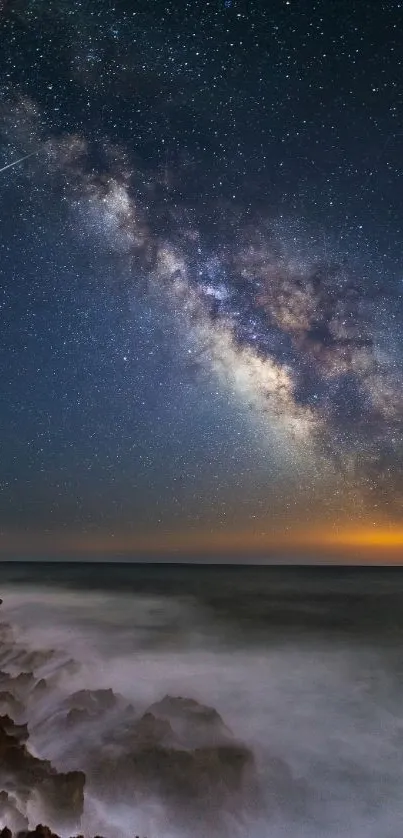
x: 200, y: 275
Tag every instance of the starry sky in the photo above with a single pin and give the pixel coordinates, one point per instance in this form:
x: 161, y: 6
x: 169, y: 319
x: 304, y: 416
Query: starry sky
x: 201, y: 276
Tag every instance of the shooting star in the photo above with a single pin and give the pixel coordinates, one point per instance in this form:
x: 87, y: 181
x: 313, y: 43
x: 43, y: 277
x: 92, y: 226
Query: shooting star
x: 15, y: 163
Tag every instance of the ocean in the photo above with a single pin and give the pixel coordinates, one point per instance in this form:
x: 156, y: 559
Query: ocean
x: 303, y: 664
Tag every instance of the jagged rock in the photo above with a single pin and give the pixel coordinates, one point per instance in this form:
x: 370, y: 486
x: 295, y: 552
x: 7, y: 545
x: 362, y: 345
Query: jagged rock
x: 211, y: 774
x: 37, y: 658
x: 161, y: 758
x: 40, y: 831
x: 194, y: 723
x: 149, y: 731
x: 20, y: 732
x: 64, y: 796
x: 93, y: 701
x: 77, y: 716
x: 18, y: 685
x: 10, y: 813
x: 28, y: 660
x: 24, y: 680
x: 86, y: 706
x: 21, y: 772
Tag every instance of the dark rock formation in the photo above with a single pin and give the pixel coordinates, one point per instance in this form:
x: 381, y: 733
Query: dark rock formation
x: 10, y: 813
x: 150, y: 731
x: 29, y: 661
x: 40, y: 831
x: 8, y: 726
x: 195, y: 725
x: 181, y: 752
x: 18, y: 685
x: 63, y: 795
x: 89, y: 707
x: 93, y: 701
x: 21, y: 773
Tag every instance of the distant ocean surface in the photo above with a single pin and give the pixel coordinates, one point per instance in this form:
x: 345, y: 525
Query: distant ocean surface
x: 304, y: 664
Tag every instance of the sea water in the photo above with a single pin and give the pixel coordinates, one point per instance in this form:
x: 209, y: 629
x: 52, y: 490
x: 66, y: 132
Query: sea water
x: 305, y: 665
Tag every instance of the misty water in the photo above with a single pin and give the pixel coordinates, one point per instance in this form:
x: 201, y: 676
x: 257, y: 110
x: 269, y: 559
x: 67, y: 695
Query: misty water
x: 305, y: 665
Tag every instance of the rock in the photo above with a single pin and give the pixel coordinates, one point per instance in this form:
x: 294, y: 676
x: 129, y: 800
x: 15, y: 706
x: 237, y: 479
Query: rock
x: 164, y: 758
x: 64, y: 796
x: 28, y: 660
x: 88, y: 706
x: 194, y: 723
x: 150, y: 731
x: 77, y: 716
x: 10, y: 813
x: 19, y: 685
x: 24, y: 680
x: 210, y: 774
x: 20, y: 772
x: 94, y: 701
x: 40, y: 831
x: 20, y: 732
x: 35, y: 659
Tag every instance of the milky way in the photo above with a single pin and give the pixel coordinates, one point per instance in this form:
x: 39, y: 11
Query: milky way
x: 296, y: 335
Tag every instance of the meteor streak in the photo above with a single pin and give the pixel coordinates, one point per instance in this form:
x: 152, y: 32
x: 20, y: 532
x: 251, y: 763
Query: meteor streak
x: 15, y: 163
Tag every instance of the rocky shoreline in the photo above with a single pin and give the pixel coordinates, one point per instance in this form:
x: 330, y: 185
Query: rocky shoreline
x: 70, y: 756
x: 178, y: 752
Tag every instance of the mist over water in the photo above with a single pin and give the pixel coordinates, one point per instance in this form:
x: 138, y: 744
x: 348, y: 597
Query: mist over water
x: 304, y: 666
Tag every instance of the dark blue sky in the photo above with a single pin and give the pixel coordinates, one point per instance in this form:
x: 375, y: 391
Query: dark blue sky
x: 200, y: 268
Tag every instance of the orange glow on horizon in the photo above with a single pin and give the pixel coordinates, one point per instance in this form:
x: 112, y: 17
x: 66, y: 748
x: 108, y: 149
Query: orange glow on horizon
x: 372, y: 541
x: 375, y: 537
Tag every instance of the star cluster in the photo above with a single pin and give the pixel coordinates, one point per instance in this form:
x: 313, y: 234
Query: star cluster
x: 200, y: 266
